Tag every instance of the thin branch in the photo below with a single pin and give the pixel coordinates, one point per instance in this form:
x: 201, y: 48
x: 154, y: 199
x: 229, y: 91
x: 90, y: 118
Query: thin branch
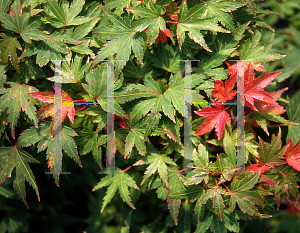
x: 80, y: 109
x: 81, y: 88
x: 125, y: 170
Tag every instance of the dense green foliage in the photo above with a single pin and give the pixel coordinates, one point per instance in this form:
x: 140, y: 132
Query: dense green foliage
x: 150, y: 191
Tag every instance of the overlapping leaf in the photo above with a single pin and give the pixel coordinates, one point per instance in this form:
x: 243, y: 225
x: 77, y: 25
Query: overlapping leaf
x: 65, y: 14
x: 157, y: 163
x: 150, y: 19
x: 217, y: 10
x: 67, y: 107
x: 190, y: 20
x: 242, y: 194
x: 47, y: 141
x: 97, y: 86
x: 20, y: 22
x: 72, y: 71
x: 164, y: 97
x: 254, y: 51
x: 47, y: 50
x: 123, y: 40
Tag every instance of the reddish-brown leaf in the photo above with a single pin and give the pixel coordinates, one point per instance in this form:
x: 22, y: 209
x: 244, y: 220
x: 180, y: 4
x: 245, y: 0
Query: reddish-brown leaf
x: 292, y: 155
x: 216, y: 118
x: 162, y: 36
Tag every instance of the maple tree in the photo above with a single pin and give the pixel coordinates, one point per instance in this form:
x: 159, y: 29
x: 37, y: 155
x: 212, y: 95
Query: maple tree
x: 147, y: 42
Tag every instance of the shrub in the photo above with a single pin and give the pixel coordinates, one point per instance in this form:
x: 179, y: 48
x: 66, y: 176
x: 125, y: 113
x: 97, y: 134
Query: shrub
x: 178, y: 151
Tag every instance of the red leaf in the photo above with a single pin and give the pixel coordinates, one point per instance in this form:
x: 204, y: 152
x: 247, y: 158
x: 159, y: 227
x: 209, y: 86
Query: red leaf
x: 257, y: 167
x: 162, y: 36
x: 223, y: 91
x: 292, y: 155
x: 216, y: 118
x: 254, y: 90
x: 67, y: 107
x: 273, y: 109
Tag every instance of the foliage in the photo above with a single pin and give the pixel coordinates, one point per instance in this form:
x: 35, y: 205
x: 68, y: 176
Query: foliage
x: 149, y: 40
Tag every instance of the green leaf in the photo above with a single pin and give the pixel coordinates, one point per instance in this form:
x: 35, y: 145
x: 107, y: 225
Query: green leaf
x: 217, y: 11
x: 15, y: 99
x: 150, y: 19
x: 122, y: 40
x: 185, y: 217
x: 47, y: 50
x: 205, y: 222
x: 72, y: 71
x: 4, y: 5
x: 174, y: 206
x: 229, y: 147
x: 8, y: 47
x: 218, y: 203
x: 28, y: 71
x: 157, y: 163
x: 118, y: 181
x: 14, y: 157
x: 65, y: 15
x: 191, y: 21
x: 33, y: 135
x: 141, y: 71
x: 166, y: 57
x: 23, y: 24
x: 242, y: 194
x: 217, y: 226
x: 270, y: 153
x: 136, y: 137
x: 176, y: 180
x: 293, y: 112
x: 82, y: 30
x: 230, y: 221
x: 119, y: 4
x: 253, y: 51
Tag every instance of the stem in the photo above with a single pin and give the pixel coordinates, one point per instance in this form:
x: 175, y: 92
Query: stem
x: 273, y: 126
x: 182, y: 170
x: 125, y: 170
x: 80, y: 109
x: 81, y: 88
x: 227, y: 188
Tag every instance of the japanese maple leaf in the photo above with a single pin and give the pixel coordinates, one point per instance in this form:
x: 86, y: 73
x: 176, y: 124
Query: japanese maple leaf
x: 273, y: 109
x: 261, y: 168
x: 216, y: 118
x: 223, y: 91
x: 254, y: 88
x: 162, y: 36
x: 292, y: 155
x: 48, y: 110
x: 232, y: 69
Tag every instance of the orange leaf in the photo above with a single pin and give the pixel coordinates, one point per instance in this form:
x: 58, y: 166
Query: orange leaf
x: 162, y: 36
x: 292, y: 155
x: 223, y: 91
x: 67, y: 107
